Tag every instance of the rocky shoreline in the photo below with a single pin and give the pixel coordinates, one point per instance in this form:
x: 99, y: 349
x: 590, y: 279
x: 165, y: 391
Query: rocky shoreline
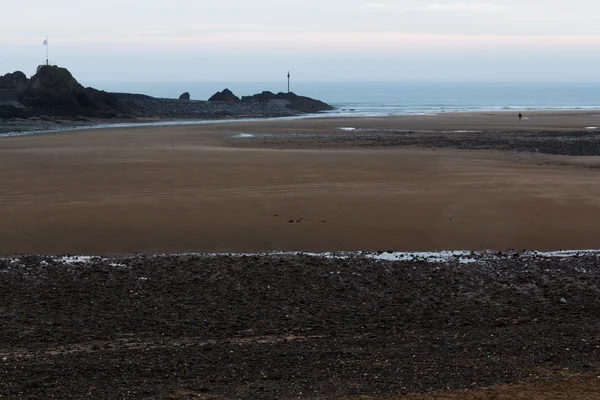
x: 152, y: 110
x: 569, y: 143
x: 53, y: 98
x: 292, y: 326
x: 198, y: 109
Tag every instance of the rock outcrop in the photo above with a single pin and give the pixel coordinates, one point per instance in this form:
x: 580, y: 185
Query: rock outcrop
x: 226, y: 96
x: 11, y: 85
x: 295, y: 102
x: 15, y: 81
x: 54, y: 91
x: 13, y: 111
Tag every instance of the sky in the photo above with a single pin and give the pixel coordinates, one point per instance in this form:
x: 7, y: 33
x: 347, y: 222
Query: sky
x: 318, y: 40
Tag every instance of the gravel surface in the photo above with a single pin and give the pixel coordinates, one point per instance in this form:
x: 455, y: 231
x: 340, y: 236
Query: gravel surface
x: 577, y: 143
x: 290, y: 326
x: 171, y: 108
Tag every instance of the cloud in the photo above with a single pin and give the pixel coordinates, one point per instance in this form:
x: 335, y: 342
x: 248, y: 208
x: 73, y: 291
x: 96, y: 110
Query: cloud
x: 328, y: 42
x: 466, y: 7
x: 375, y: 5
x: 151, y: 33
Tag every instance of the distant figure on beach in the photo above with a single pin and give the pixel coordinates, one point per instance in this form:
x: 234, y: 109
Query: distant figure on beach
x: 520, y: 116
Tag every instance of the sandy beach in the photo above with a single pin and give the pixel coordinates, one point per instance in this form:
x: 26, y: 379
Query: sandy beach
x: 503, y: 325
x: 303, y: 185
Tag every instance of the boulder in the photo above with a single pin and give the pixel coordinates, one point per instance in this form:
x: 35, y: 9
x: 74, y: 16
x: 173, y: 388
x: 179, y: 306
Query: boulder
x: 263, y: 97
x: 15, y: 81
x: 225, y: 96
x: 295, y: 102
x: 184, y: 96
x: 8, y: 111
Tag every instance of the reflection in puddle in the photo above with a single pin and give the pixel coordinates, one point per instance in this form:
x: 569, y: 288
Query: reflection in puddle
x: 243, y: 135
x: 347, y: 129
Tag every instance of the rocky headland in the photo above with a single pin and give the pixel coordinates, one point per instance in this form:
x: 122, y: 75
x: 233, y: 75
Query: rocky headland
x: 54, y: 98
x: 290, y: 100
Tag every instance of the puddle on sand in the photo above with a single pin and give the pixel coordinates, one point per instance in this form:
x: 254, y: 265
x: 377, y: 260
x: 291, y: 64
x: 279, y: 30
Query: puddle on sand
x: 592, y: 127
x: 275, y: 135
x: 352, y: 129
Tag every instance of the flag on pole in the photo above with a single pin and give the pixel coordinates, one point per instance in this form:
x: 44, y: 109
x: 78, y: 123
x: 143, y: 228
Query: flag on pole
x: 46, y: 46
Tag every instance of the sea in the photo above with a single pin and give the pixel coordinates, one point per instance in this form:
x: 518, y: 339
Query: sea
x: 393, y: 98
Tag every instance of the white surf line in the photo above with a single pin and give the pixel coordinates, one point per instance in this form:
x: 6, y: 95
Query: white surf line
x: 463, y: 256
x: 329, y: 115
x: 169, y: 123
x: 152, y: 124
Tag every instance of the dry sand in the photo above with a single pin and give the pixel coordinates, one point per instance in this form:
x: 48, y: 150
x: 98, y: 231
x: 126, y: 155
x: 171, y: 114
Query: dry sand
x: 197, y: 189
x: 302, y: 185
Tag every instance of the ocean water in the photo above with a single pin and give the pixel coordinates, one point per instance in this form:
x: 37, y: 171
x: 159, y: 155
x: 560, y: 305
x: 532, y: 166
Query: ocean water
x: 374, y: 99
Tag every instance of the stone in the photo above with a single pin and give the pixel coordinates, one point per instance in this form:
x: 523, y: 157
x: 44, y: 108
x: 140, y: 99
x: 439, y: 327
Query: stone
x: 294, y: 102
x: 184, y: 96
x: 226, y: 96
x: 14, y: 81
x: 13, y: 111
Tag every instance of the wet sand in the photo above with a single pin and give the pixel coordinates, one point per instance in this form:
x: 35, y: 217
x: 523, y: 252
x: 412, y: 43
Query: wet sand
x: 506, y: 326
x: 199, y: 189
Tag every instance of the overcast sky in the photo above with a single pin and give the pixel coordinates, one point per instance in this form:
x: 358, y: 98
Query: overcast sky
x: 319, y: 40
